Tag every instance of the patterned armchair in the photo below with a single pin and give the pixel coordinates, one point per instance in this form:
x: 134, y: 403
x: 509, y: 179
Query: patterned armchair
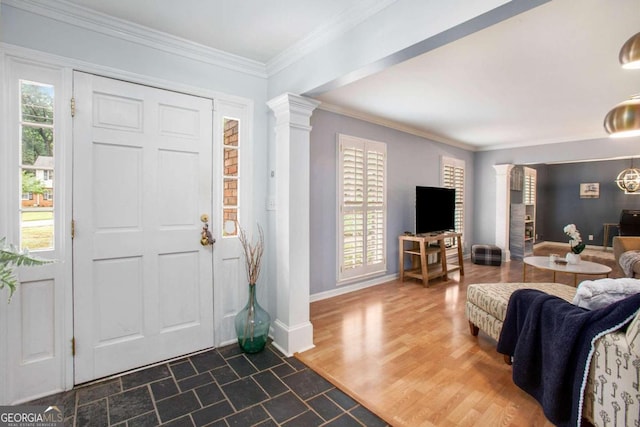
x: 612, y: 392
x: 622, y: 244
x: 612, y: 395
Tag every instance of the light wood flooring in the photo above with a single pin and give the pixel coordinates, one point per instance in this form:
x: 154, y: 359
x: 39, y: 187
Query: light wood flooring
x: 406, y: 353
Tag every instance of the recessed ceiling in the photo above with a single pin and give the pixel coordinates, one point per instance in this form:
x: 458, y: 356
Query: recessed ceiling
x: 548, y: 75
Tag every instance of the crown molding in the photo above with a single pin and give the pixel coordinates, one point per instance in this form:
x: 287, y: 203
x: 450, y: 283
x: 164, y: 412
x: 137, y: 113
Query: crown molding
x: 324, y: 34
x: 394, y: 125
x: 441, y: 139
x: 538, y: 142
x: 41, y: 58
x: 79, y: 16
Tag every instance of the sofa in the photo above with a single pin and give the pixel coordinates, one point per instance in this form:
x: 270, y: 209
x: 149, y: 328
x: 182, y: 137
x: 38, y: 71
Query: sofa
x: 612, y: 391
x: 622, y: 244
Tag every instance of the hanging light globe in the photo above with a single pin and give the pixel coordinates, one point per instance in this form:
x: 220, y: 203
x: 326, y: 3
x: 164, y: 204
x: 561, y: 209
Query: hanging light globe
x: 629, y: 180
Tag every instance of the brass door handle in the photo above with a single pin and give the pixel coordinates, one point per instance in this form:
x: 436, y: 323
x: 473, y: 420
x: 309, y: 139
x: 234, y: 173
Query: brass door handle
x: 206, y: 238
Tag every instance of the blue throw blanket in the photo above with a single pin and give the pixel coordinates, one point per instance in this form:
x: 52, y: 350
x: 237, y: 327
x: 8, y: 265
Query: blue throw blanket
x: 551, y: 342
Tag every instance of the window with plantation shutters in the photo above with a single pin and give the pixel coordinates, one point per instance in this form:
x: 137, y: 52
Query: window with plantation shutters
x: 362, y: 207
x: 453, y: 177
x: 529, y: 195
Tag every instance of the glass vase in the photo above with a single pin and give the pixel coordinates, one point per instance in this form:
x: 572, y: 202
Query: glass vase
x: 252, y: 324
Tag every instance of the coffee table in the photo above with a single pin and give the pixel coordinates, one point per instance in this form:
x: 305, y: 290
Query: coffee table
x: 583, y: 267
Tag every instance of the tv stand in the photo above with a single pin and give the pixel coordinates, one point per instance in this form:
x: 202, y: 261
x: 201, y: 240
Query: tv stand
x: 419, y: 251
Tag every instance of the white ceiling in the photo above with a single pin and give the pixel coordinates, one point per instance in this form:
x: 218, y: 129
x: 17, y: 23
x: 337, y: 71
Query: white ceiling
x: 254, y: 29
x: 547, y: 75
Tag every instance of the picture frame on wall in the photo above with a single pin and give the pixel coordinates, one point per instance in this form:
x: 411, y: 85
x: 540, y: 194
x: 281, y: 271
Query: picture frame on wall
x: 590, y: 190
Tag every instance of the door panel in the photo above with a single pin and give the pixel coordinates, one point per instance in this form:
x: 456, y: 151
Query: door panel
x: 178, y: 305
x: 143, y: 284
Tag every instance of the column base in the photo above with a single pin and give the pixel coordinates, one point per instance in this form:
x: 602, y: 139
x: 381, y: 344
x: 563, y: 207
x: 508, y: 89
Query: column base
x: 292, y: 339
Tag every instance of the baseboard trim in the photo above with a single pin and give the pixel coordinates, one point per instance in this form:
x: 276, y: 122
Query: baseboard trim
x: 345, y: 289
x: 292, y: 339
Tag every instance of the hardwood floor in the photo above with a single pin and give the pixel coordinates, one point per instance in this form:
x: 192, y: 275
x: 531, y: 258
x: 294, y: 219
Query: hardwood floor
x: 405, y: 351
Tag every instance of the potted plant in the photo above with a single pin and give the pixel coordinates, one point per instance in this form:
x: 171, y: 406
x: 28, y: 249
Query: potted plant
x: 575, y: 243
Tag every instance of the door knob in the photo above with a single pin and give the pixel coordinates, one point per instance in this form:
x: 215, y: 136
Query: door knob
x: 206, y: 238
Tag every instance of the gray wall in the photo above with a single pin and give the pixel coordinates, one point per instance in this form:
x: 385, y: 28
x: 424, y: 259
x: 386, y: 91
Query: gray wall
x: 411, y: 161
x: 561, y: 204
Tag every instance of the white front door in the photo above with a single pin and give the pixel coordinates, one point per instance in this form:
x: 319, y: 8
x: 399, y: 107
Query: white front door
x: 143, y: 283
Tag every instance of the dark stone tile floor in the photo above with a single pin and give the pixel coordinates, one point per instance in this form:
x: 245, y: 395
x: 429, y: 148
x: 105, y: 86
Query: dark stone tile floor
x: 220, y: 387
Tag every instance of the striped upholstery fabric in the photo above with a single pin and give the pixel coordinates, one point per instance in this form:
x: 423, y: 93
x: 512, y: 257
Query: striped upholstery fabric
x: 486, y: 255
x: 486, y: 303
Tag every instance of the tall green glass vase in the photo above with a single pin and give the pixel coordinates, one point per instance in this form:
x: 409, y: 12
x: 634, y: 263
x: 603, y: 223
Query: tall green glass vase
x: 252, y: 324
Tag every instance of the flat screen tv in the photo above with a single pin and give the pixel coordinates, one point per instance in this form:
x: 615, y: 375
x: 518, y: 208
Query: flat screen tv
x: 435, y: 209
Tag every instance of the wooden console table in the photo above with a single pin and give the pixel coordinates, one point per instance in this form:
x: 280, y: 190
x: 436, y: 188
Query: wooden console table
x: 419, y: 250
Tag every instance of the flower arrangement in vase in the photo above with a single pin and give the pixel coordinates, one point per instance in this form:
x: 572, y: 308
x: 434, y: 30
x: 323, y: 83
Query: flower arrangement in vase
x: 252, y: 322
x: 575, y: 243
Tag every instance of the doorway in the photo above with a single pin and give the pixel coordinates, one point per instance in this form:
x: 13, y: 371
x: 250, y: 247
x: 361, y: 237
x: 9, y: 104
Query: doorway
x: 143, y: 283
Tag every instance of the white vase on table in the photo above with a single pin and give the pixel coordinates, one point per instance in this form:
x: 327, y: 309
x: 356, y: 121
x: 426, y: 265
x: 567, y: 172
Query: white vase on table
x: 573, y: 258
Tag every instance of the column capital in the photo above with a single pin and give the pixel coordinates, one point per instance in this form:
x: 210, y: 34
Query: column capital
x: 503, y: 169
x: 293, y: 108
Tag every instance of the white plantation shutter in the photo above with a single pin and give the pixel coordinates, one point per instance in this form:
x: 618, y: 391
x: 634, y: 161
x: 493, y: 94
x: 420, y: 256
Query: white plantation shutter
x: 529, y: 189
x: 375, y: 206
x: 453, y: 177
x: 362, y: 207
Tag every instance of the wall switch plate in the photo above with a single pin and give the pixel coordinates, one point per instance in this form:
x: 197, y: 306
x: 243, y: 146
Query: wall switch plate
x: 271, y: 204
x: 590, y: 236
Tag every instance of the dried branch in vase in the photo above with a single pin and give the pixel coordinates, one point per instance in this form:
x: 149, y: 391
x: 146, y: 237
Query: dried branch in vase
x: 252, y: 254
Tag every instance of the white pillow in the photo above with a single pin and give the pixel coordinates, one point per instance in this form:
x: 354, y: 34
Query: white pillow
x: 594, y: 294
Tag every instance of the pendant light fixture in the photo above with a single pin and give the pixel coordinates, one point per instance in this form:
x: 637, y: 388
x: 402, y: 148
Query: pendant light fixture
x: 624, y: 119
x: 630, y: 53
x: 629, y: 180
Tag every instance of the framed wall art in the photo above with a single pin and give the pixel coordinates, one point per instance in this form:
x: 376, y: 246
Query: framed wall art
x: 590, y: 190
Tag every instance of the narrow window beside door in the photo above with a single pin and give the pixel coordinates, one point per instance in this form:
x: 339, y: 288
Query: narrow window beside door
x: 230, y: 158
x: 36, y: 166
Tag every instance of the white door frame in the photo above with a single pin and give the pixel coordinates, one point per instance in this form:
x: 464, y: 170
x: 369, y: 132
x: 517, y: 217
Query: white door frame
x: 68, y: 65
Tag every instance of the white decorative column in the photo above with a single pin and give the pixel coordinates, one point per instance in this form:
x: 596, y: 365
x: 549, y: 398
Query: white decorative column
x: 293, y: 332
x: 503, y: 205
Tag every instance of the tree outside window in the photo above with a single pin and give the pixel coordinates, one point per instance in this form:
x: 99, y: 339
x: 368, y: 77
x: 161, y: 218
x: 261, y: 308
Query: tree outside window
x: 37, y: 165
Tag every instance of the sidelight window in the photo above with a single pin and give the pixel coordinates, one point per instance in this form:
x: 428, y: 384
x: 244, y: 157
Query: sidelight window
x: 230, y: 180
x: 36, y: 165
